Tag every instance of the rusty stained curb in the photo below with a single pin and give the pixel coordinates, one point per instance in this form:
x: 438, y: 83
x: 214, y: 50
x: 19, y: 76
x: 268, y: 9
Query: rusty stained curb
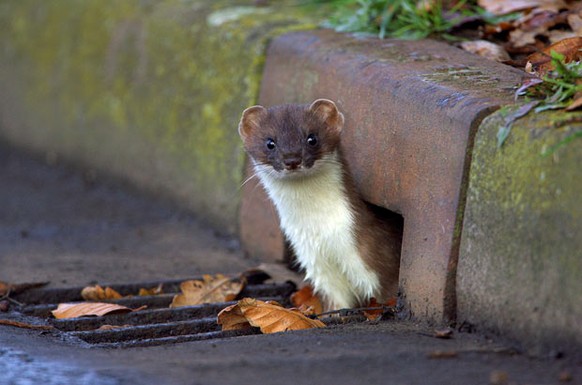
x: 412, y: 110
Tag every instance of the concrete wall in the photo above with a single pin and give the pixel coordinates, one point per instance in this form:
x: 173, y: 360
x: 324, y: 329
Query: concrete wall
x: 150, y: 91
x: 520, y: 262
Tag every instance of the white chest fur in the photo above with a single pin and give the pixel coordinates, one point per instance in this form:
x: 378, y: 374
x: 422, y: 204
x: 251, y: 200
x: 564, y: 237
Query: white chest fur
x: 317, y: 219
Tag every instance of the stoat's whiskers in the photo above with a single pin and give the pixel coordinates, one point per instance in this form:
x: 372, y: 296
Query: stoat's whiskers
x: 254, y: 175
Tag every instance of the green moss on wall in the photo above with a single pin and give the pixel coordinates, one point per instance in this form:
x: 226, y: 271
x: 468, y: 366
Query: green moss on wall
x: 150, y: 90
x: 521, y: 251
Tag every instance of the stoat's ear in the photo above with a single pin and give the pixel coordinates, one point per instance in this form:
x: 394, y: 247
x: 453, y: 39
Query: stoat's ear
x: 250, y: 120
x: 327, y: 112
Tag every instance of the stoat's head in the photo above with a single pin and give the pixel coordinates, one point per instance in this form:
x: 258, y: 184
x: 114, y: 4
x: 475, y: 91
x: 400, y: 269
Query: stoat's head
x: 292, y: 140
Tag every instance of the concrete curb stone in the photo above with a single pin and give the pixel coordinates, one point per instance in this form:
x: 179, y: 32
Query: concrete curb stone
x: 412, y: 109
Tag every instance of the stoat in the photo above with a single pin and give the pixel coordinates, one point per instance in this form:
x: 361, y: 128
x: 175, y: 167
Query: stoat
x: 348, y: 255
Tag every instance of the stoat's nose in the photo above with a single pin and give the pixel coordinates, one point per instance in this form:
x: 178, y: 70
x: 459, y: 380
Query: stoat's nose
x: 292, y: 163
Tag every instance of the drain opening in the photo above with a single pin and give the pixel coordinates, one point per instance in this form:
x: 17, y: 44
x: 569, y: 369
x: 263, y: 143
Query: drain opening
x: 393, y: 223
x: 156, y: 325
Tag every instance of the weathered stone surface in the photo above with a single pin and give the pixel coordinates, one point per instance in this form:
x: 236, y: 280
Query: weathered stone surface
x: 411, y: 109
x: 150, y: 91
x: 259, y: 224
x: 520, y: 262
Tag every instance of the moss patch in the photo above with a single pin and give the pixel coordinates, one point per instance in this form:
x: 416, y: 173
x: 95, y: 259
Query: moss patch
x: 521, y: 252
x: 151, y: 91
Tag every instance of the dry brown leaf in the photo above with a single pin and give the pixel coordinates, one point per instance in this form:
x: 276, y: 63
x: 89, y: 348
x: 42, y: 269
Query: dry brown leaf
x: 502, y: 7
x: 151, y: 291
x: 520, y: 38
x: 74, y: 310
x: 16, y: 288
x: 374, y: 310
x: 97, y: 293
x: 570, y: 48
x: 486, y: 49
x: 529, y: 28
x: 306, y: 300
x: 575, y: 22
x: 112, y: 327
x: 437, y: 354
x: 273, y: 318
x: 555, y: 36
x: 232, y: 318
x: 218, y: 288
x: 445, y: 333
x: 5, y: 288
x: 576, y: 103
x: 270, y: 317
x: 498, y: 377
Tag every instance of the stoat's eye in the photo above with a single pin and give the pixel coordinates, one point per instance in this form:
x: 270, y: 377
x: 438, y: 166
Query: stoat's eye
x: 312, y: 140
x: 270, y: 143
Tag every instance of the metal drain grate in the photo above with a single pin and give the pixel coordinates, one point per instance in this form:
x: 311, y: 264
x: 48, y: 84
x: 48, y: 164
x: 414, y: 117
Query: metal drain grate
x: 156, y: 325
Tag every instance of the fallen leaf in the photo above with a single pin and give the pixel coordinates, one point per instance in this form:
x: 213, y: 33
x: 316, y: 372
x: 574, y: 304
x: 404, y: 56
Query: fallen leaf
x: 486, y: 49
x: 232, y: 318
x: 375, y: 310
x: 576, y: 103
x: 97, y: 293
x: 16, y: 288
x: 270, y: 317
x: 529, y: 30
x: 151, y: 291
x: 437, y: 354
x: 112, y: 327
x: 391, y: 302
x: 503, y: 7
x: 575, y: 21
x: 498, y: 377
x: 520, y: 38
x: 555, y: 36
x: 74, y: 310
x: 218, y: 288
x: 306, y: 298
x: 570, y: 48
x: 445, y: 333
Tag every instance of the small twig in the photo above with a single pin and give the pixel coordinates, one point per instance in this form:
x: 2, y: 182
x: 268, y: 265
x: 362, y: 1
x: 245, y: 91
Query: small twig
x: 347, y: 312
x: 25, y: 325
x: 7, y: 298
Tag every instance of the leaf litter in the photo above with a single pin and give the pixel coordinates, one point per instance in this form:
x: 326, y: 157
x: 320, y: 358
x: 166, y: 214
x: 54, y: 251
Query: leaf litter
x: 269, y: 317
x: 97, y: 309
x: 7, y: 288
x: 97, y: 293
x: 218, y: 288
x: 306, y: 300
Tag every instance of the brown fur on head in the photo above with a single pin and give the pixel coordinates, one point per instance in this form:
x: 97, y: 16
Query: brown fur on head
x: 289, y: 134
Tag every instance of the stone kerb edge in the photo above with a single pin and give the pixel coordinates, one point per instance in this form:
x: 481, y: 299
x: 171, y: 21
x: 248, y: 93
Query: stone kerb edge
x: 411, y: 111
